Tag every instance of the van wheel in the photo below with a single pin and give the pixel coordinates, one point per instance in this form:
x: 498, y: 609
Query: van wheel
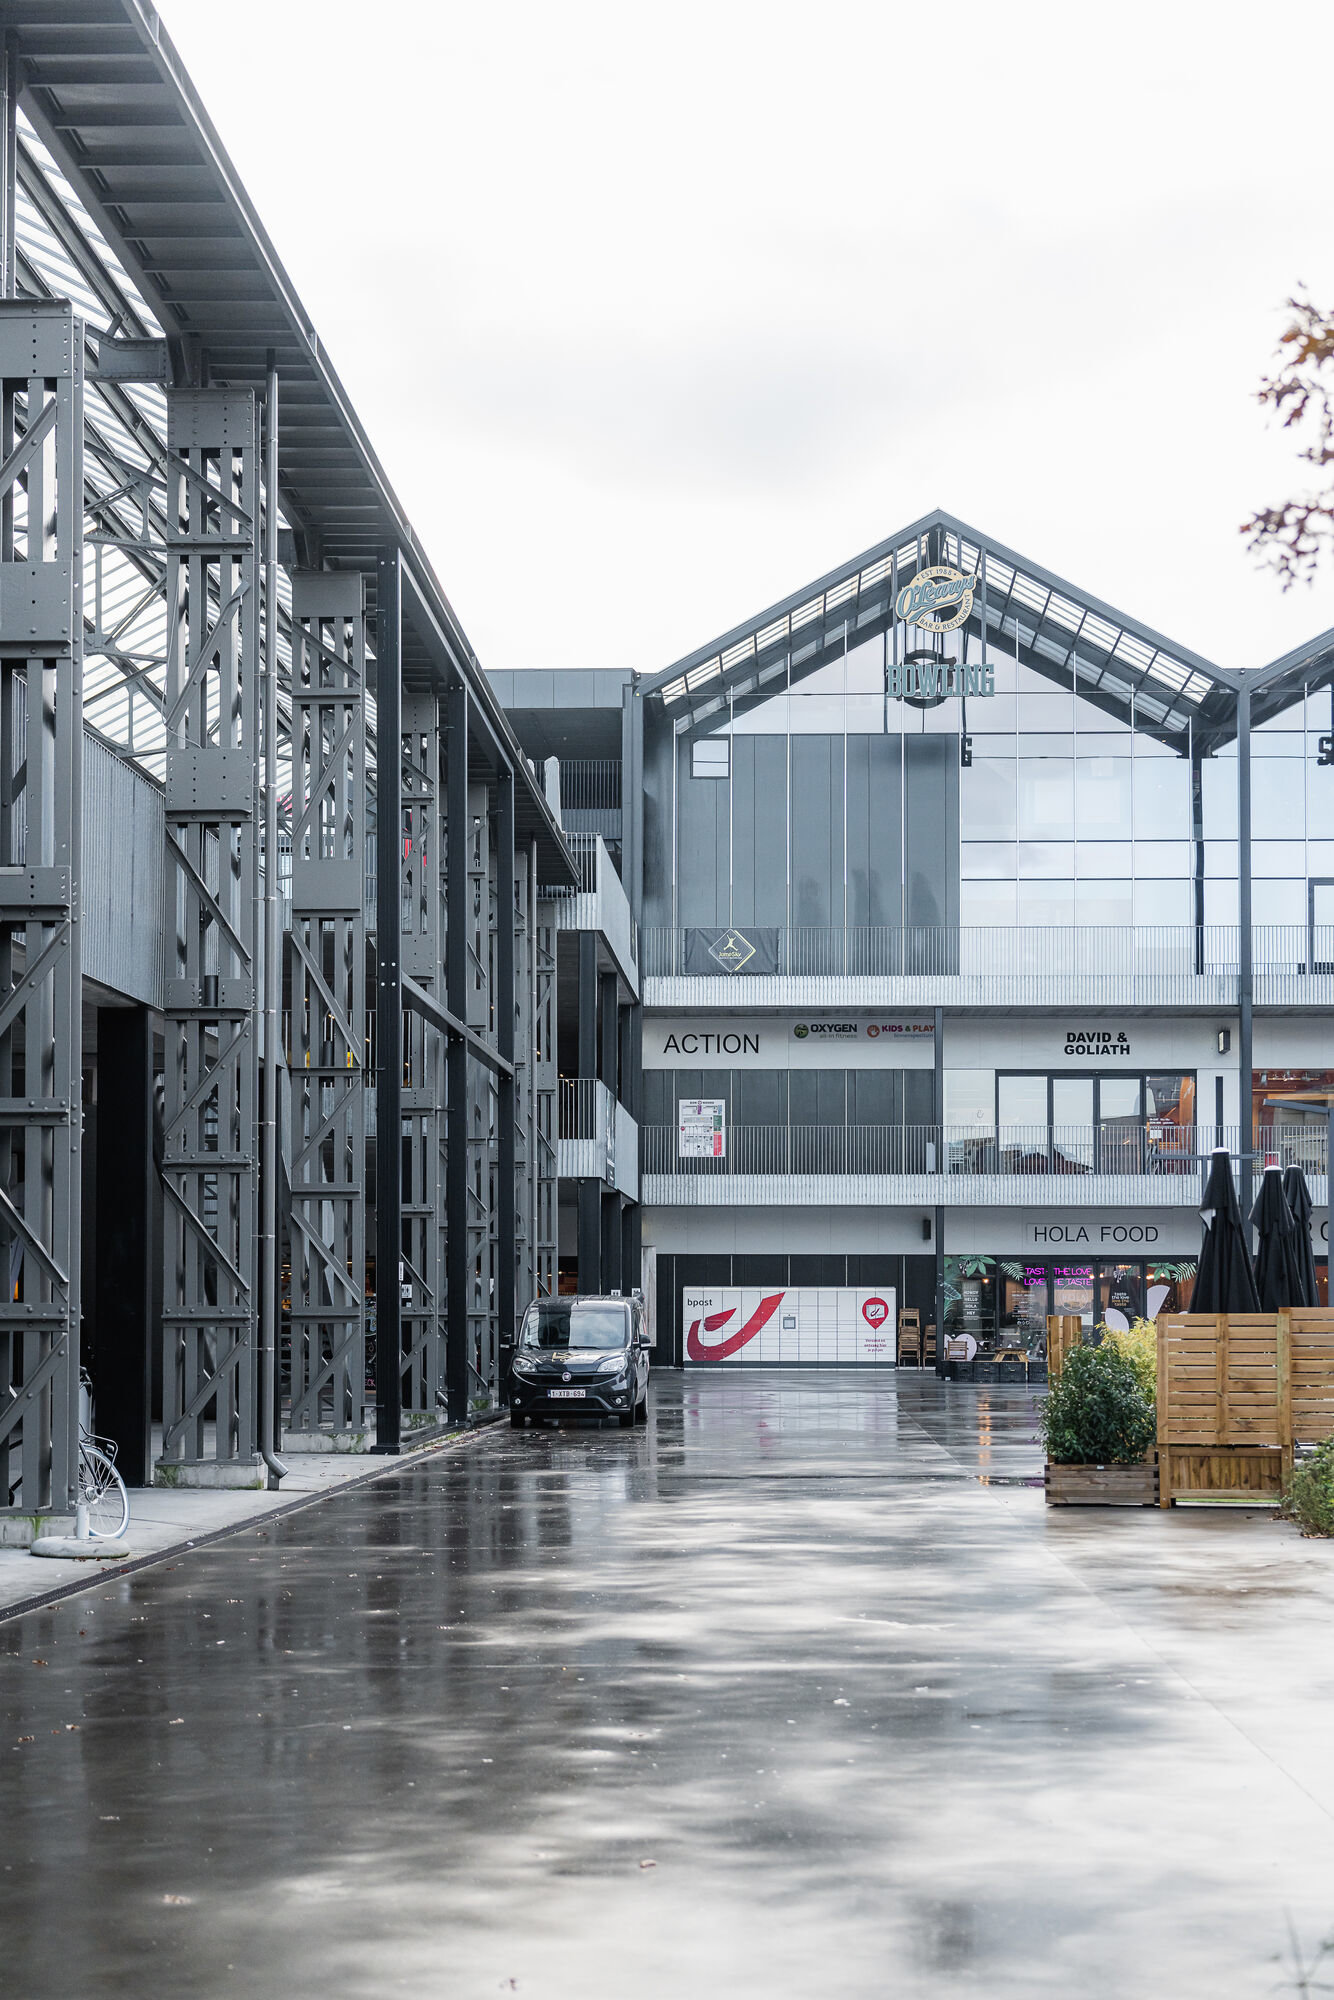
x: 641, y: 1410
x: 516, y: 1420
x: 625, y: 1418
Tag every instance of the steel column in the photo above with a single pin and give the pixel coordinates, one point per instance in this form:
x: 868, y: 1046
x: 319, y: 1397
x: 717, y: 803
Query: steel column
x: 507, y: 1107
x: 388, y: 1004
x: 327, y: 975
x: 41, y: 743
x: 457, y: 843
x: 210, y: 1169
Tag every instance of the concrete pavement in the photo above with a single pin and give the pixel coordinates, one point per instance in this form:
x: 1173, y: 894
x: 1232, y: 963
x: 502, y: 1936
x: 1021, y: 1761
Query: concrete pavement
x: 802, y: 1691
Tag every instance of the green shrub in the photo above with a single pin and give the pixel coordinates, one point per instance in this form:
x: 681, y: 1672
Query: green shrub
x: 1098, y: 1412
x: 1309, y: 1499
x: 1139, y: 1344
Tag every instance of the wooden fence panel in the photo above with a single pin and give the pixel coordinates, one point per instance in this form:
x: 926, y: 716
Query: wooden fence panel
x: 1236, y: 1393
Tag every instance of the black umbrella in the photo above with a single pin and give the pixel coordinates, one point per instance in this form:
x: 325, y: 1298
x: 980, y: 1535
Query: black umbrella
x: 1225, y: 1281
x: 1278, y: 1265
x: 1299, y: 1201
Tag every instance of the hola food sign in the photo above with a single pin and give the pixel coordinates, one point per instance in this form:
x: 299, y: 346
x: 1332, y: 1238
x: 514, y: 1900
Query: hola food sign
x: 804, y: 1325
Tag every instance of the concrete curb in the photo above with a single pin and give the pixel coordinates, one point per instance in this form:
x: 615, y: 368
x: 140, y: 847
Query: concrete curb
x: 105, y: 1572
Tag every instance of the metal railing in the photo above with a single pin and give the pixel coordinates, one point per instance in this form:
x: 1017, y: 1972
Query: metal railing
x: 597, y: 1137
x: 590, y: 784
x: 1108, y: 964
x: 1030, y: 1153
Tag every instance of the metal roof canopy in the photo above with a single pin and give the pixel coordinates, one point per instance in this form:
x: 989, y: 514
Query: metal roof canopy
x: 111, y: 100
x: 1073, y: 639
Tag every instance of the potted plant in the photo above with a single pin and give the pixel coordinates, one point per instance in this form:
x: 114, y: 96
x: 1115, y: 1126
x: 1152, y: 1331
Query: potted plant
x: 1099, y: 1424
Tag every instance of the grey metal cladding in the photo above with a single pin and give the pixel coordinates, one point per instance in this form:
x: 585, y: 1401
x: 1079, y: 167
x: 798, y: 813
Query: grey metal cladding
x: 121, y: 891
x: 875, y: 830
x: 817, y: 830
x: 931, y: 818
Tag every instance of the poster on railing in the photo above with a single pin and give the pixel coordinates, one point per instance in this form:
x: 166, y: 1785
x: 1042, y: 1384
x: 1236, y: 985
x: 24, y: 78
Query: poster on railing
x: 701, y: 1128
x: 801, y: 1325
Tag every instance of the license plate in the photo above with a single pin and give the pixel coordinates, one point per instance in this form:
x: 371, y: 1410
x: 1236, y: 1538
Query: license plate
x: 567, y: 1392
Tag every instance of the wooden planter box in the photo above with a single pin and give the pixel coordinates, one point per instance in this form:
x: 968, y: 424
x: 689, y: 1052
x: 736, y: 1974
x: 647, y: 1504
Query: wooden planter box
x: 1103, y: 1485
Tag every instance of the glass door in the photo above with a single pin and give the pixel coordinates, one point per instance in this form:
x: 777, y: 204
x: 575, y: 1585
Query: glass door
x: 1120, y: 1125
x: 1072, y: 1124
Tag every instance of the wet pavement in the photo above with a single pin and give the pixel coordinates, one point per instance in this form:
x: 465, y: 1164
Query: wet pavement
x: 799, y: 1691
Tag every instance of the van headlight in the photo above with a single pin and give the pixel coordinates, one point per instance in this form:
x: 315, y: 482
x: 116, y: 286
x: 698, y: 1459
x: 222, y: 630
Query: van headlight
x: 524, y: 1364
x: 614, y: 1364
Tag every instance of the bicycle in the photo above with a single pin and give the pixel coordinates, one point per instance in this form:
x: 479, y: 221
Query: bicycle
x: 102, y: 1494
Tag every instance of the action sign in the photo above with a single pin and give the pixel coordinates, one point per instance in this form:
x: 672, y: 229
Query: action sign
x: 701, y: 1128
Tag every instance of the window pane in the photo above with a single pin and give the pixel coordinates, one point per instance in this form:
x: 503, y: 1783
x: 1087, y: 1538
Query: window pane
x: 1022, y: 1100
x: 1102, y: 790
x: 1219, y: 782
x: 987, y: 860
x: 1102, y: 857
x: 1100, y: 904
x: 1046, y: 904
x: 1162, y: 798
x: 970, y: 1097
x: 985, y: 904
x: 1046, y: 798
x: 710, y: 757
x: 1164, y: 903
x: 1163, y: 857
x: 986, y: 799
x: 1278, y: 799
x: 1044, y: 860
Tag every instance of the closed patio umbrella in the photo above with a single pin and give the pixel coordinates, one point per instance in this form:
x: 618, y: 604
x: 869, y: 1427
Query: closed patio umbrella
x: 1278, y: 1270
x: 1225, y: 1281
x: 1299, y: 1201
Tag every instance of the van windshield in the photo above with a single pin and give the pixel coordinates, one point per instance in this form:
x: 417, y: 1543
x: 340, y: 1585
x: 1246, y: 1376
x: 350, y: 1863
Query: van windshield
x: 576, y: 1324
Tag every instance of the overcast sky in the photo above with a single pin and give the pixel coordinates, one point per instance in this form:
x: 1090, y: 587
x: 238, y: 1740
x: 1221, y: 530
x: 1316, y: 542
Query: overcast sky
x: 654, y: 314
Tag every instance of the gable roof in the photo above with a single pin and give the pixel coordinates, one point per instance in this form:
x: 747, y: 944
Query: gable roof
x: 1114, y: 661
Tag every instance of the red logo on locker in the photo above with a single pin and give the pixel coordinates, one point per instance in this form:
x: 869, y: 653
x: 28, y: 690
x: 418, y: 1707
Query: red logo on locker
x: 875, y: 1312
x: 719, y: 1351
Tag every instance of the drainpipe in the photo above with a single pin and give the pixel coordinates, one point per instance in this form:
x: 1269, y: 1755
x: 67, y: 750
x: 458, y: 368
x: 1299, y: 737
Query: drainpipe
x: 268, y: 1137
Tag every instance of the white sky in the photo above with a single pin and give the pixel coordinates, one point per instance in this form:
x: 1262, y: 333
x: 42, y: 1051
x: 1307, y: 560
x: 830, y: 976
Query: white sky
x: 656, y: 313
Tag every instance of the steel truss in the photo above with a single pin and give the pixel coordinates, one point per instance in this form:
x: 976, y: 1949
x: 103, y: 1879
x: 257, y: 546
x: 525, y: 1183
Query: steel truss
x: 327, y: 1043
x: 210, y: 1161
x: 41, y: 741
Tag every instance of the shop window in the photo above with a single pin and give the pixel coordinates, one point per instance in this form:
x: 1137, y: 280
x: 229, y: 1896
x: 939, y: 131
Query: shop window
x: 1075, y: 1123
x: 711, y: 757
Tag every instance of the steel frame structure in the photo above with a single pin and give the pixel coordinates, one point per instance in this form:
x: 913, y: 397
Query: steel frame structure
x: 212, y: 582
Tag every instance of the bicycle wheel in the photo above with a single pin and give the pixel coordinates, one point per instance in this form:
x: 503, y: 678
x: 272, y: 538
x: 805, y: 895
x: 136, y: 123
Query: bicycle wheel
x: 103, y: 1493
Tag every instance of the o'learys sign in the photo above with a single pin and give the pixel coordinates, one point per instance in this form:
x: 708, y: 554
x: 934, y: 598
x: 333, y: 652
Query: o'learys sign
x: 938, y: 599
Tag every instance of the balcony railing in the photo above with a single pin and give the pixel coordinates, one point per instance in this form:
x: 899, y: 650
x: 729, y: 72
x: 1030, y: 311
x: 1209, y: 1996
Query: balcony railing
x: 1156, y: 1166
x: 1165, y: 964
x: 599, y: 903
x: 598, y: 1139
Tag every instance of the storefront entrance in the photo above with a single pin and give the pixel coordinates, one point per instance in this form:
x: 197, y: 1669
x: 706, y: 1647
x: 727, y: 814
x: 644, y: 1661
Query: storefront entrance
x: 1004, y: 1301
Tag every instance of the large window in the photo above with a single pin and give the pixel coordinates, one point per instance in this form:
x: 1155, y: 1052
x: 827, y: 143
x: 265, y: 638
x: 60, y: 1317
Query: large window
x: 1097, y: 1122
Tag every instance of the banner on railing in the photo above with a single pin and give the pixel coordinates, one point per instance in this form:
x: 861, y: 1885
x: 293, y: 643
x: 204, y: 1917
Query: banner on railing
x: 752, y: 951
x: 800, y: 1325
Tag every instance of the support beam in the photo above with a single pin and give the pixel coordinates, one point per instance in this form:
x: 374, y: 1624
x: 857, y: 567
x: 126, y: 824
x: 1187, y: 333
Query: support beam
x: 211, y: 990
x: 457, y: 832
x: 327, y: 980
x: 507, y: 1109
x: 41, y: 745
x: 588, y: 1003
x: 388, y: 1006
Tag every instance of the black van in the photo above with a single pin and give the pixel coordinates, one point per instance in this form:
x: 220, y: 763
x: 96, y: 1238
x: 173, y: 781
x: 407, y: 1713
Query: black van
x: 581, y: 1357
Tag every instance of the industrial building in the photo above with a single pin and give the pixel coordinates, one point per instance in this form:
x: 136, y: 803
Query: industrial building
x: 906, y: 946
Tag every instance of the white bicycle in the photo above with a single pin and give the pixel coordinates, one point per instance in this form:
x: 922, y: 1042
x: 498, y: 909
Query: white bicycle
x: 101, y: 1489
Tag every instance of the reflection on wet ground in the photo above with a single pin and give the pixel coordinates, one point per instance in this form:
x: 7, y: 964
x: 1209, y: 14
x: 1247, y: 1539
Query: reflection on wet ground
x: 800, y: 1691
